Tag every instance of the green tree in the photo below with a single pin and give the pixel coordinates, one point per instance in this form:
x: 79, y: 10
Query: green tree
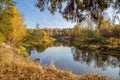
x: 35, y: 36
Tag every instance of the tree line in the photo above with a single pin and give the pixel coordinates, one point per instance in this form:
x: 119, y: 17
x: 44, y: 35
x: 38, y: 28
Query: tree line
x: 105, y: 36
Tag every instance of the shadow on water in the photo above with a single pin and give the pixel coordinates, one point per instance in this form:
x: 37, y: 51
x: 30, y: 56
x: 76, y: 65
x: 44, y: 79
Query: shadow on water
x: 78, y: 61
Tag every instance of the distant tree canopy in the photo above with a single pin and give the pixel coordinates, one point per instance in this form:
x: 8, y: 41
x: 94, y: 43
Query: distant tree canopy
x: 76, y: 30
x: 76, y: 10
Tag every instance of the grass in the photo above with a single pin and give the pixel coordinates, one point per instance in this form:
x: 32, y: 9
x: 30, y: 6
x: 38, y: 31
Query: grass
x: 15, y: 67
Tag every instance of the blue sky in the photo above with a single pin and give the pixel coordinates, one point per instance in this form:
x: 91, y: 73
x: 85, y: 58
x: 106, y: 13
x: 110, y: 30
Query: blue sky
x: 32, y: 16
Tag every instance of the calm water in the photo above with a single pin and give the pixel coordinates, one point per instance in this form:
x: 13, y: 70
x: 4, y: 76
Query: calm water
x: 78, y: 61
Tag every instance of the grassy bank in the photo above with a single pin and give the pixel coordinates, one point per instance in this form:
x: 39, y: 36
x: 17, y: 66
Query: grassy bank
x: 15, y: 67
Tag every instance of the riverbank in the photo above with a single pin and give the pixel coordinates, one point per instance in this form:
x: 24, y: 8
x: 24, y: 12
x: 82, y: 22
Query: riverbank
x: 103, y: 45
x: 13, y: 66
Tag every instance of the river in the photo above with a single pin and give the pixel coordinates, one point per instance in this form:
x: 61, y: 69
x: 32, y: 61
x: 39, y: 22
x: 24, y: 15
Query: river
x: 79, y: 61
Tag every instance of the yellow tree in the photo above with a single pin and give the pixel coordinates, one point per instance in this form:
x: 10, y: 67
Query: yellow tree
x: 19, y: 29
x: 76, y: 30
x: 5, y: 24
x: 116, y: 31
x: 105, y: 24
x: 106, y: 28
x: 12, y: 26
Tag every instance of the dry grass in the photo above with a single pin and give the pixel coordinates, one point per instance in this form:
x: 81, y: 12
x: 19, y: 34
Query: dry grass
x: 15, y: 67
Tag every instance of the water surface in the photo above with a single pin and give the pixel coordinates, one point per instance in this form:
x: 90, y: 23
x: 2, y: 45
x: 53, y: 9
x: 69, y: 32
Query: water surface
x: 79, y: 61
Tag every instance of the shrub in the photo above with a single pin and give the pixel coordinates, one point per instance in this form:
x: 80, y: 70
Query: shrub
x: 23, y: 51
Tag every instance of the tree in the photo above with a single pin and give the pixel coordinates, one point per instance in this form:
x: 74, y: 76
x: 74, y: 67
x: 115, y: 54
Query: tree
x: 12, y: 26
x: 19, y: 28
x: 2, y: 37
x: 6, y: 4
x: 76, y: 30
x: 105, y: 24
x: 76, y: 10
x: 6, y: 14
x: 106, y: 28
x: 35, y: 36
x: 116, y: 31
x: 37, y: 26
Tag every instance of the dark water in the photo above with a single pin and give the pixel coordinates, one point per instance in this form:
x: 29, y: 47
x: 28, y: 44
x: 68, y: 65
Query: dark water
x: 78, y: 61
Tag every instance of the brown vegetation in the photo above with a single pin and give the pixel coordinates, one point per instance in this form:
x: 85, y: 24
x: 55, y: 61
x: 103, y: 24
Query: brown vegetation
x: 15, y: 67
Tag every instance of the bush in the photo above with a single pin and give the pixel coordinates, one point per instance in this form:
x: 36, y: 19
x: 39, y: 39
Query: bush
x: 23, y: 51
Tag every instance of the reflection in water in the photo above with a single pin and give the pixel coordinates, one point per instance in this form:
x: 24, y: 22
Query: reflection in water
x: 101, y: 60
x: 79, y: 61
x: 41, y: 48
